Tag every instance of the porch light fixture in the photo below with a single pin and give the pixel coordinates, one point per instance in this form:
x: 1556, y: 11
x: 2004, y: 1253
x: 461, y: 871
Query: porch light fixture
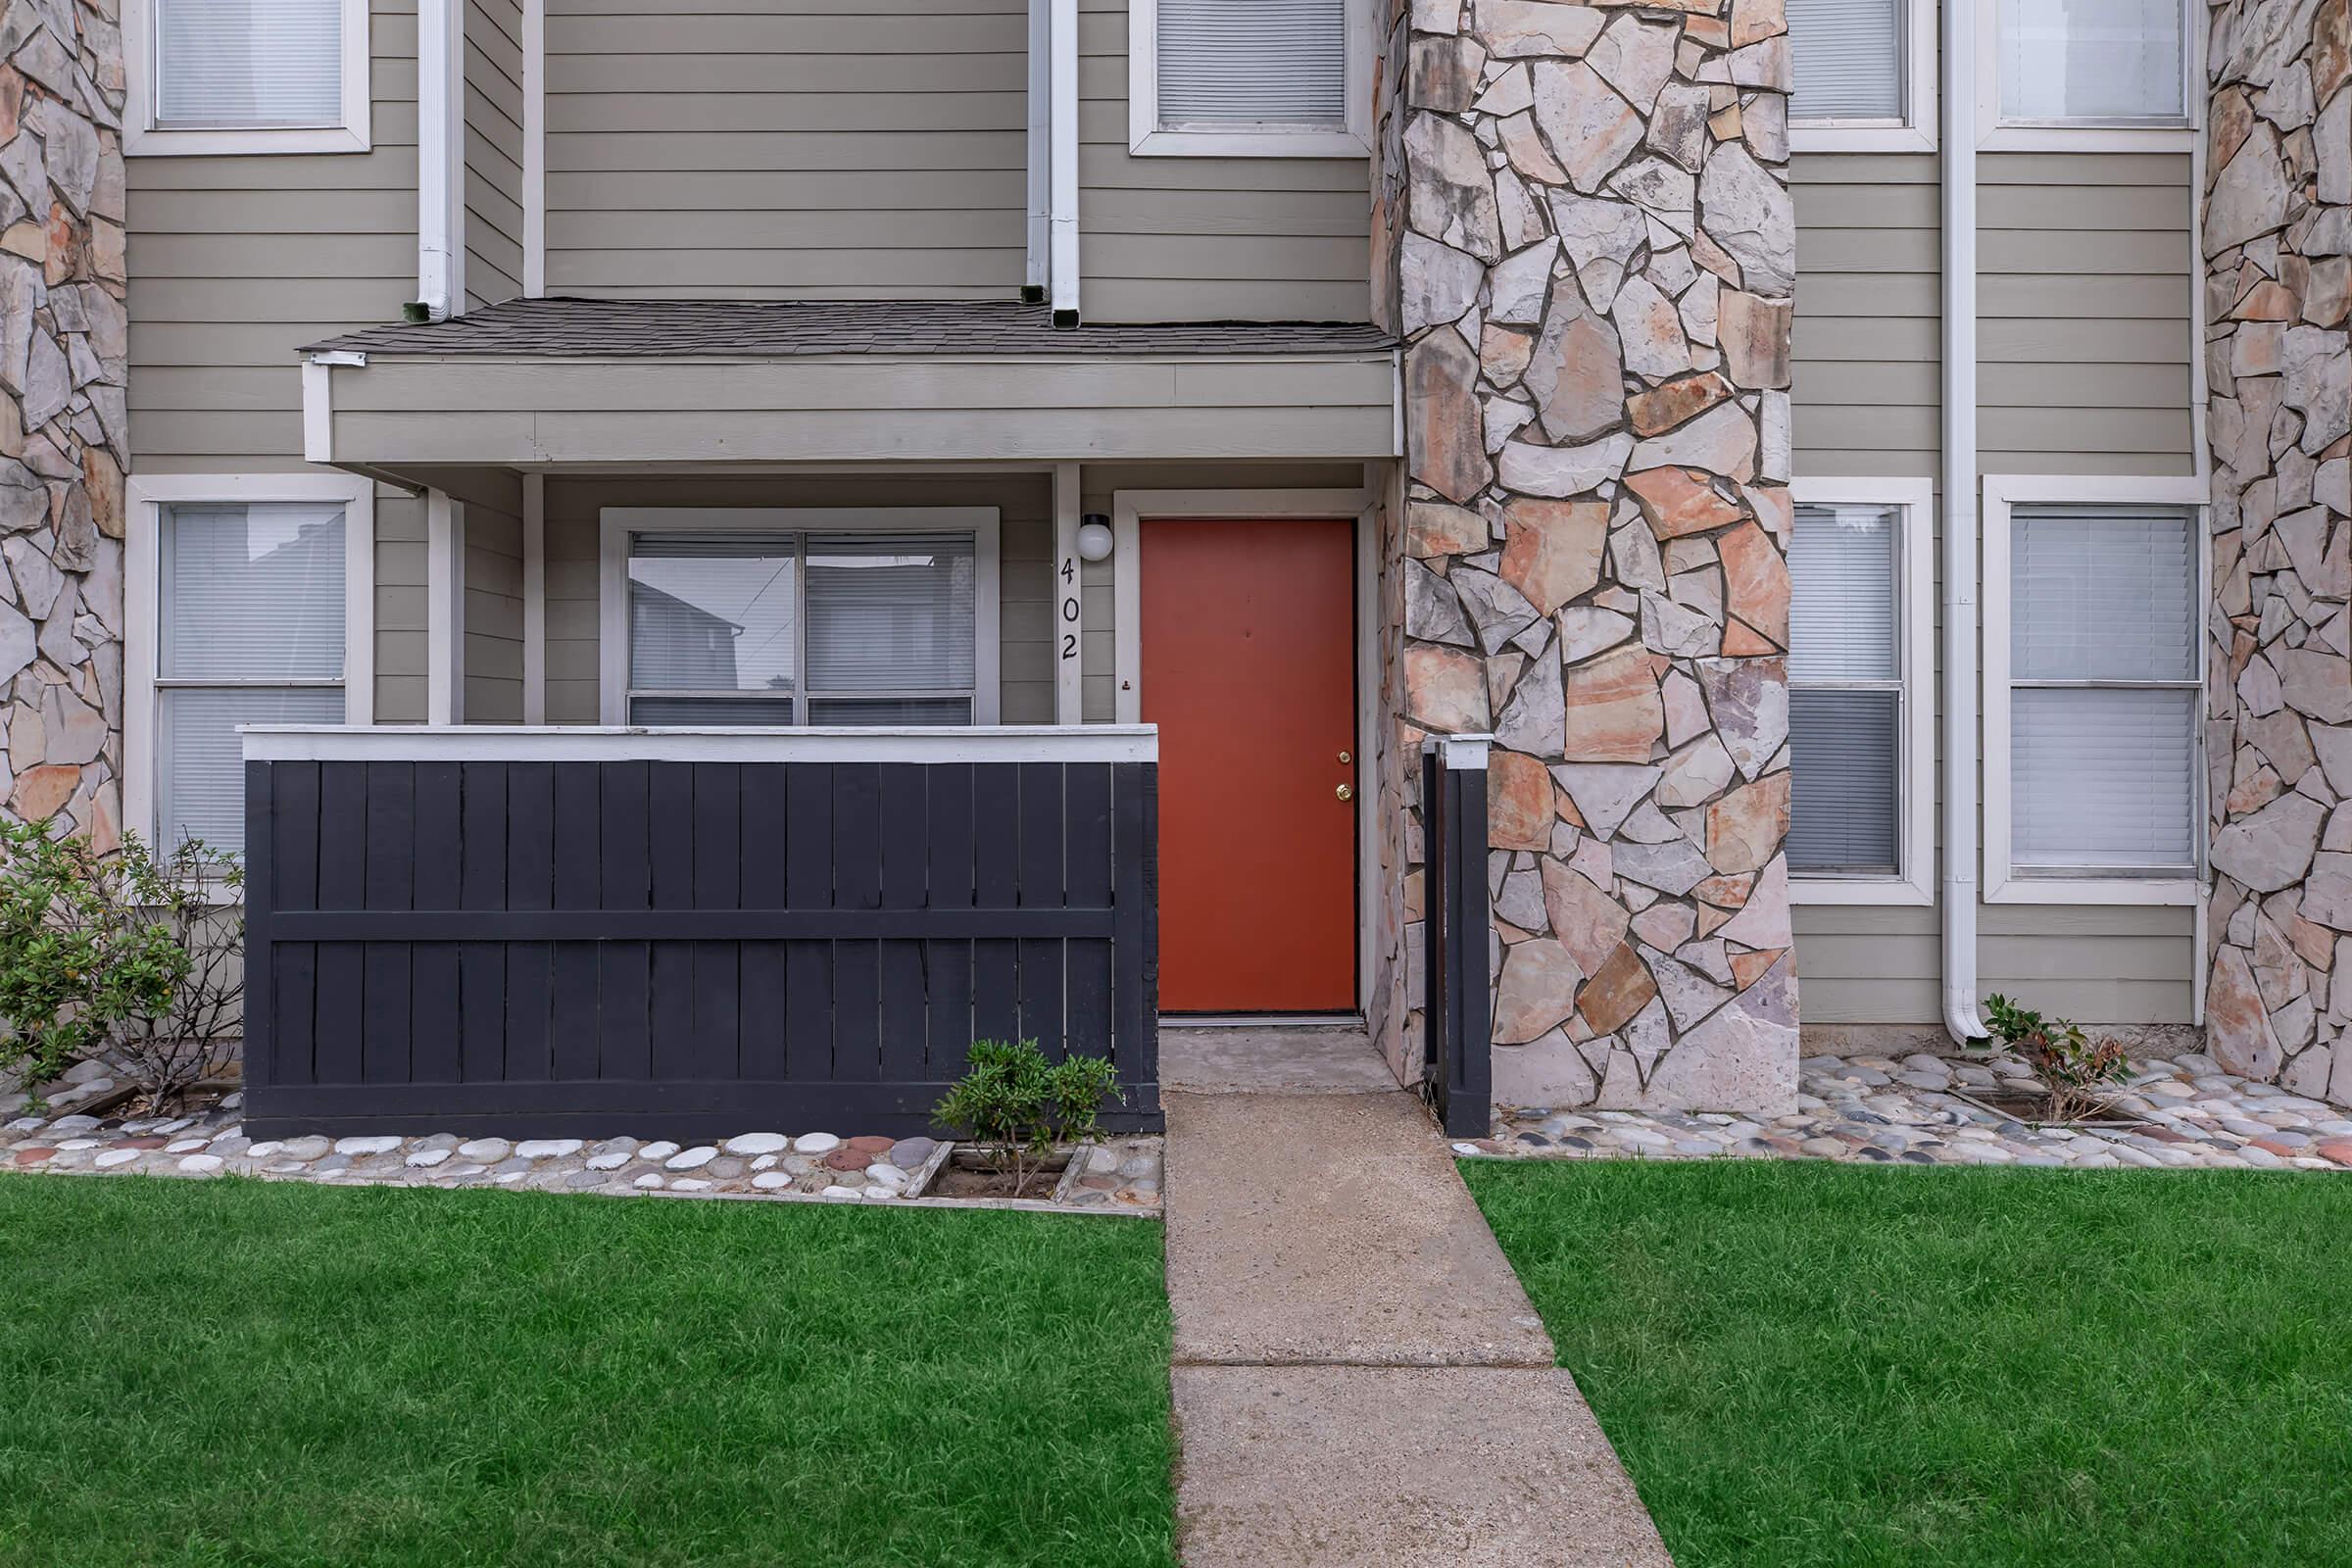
x: 1094, y: 536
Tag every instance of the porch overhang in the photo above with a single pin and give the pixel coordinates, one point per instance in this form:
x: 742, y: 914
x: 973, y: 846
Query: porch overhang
x: 565, y: 384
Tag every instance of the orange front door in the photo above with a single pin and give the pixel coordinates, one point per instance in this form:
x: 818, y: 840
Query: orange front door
x: 1248, y: 669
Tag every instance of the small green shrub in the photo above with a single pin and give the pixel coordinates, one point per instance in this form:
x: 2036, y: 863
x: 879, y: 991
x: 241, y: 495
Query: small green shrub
x: 77, y: 957
x: 2071, y: 1067
x: 1017, y: 1105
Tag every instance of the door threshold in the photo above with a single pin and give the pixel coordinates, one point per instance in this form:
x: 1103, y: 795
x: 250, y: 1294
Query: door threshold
x: 1261, y: 1020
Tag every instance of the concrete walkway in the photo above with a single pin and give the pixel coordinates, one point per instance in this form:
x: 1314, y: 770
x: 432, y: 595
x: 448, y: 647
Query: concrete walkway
x: 1359, y: 1379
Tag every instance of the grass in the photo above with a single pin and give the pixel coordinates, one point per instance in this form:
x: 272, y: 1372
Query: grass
x: 1821, y: 1364
x: 236, y: 1373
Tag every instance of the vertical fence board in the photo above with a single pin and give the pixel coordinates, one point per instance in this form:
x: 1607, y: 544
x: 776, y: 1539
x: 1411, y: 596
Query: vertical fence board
x: 856, y: 885
x: 947, y: 882
x: 808, y: 885
x: 530, y: 835
x: 576, y: 836
x: 906, y: 885
x: 262, y: 823
x: 1041, y: 883
x: 995, y: 961
x: 432, y: 977
x: 293, y: 815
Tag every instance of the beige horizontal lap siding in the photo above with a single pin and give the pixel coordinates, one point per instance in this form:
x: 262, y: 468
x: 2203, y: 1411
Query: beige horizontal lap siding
x: 770, y: 149
x: 236, y: 262
x: 2081, y: 370
x: 1025, y: 547
x: 2083, y: 335
x: 1171, y: 239
x: 494, y: 115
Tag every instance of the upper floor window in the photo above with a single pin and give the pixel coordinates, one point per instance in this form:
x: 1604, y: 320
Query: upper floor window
x: 216, y: 76
x: 2067, y: 72
x: 1247, y: 78
x: 1865, y: 75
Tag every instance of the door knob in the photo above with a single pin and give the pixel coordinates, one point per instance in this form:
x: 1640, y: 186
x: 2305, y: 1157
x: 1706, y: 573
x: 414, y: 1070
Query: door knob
x: 1346, y: 794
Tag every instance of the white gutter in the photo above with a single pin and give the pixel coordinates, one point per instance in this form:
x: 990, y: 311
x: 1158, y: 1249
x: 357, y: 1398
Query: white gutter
x: 1063, y: 221
x: 440, y: 157
x: 1958, y: 894
x: 1041, y: 146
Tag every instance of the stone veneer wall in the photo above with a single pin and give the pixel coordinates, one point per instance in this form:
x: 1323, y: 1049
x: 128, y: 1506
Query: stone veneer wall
x: 2278, y: 723
x: 1594, y: 280
x: 64, y: 441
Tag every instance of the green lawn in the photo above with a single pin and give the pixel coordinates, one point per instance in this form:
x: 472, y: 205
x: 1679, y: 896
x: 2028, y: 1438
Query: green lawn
x: 235, y: 1373
x: 1822, y: 1365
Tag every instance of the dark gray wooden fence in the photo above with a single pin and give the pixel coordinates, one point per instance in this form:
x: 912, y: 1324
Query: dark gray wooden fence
x: 1456, y: 1011
x: 683, y: 949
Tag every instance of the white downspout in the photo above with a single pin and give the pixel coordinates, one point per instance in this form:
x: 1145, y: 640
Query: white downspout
x: 1064, y: 70
x: 1958, y: 901
x: 440, y: 157
x: 1041, y: 147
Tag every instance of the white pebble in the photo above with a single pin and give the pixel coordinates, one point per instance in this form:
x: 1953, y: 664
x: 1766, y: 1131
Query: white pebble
x: 427, y: 1158
x: 201, y: 1164
x: 689, y: 1184
x: 661, y: 1149
x: 840, y: 1191
x: 692, y: 1159
x: 548, y: 1148
x: 360, y: 1146
x: 649, y: 1180
x: 759, y: 1144
x: 264, y: 1150
x: 612, y: 1160
x: 116, y: 1156
x: 183, y: 1145
x: 767, y: 1181
x: 764, y: 1162
x: 815, y: 1143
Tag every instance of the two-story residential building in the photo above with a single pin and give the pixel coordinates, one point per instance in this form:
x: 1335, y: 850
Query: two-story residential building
x: 1877, y: 474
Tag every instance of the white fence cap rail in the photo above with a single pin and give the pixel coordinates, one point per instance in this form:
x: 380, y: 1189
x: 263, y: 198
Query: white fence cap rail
x: 534, y: 743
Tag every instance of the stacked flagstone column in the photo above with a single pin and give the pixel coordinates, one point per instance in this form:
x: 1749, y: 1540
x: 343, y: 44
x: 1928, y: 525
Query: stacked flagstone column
x: 2278, y: 725
x: 1594, y: 276
x: 62, y: 436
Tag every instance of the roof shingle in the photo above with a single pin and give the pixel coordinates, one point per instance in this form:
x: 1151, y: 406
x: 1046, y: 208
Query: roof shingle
x: 573, y: 329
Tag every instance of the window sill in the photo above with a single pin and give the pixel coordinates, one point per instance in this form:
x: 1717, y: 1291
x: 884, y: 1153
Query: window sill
x: 2086, y: 139
x: 2010, y: 888
x: 1835, y: 138
x: 1250, y: 144
x: 153, y: 143
x: 1886, y: 891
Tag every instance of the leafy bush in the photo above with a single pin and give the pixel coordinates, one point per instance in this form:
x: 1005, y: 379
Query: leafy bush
x: 73, y: 964
x: 114, y: 950
x: 1017, y: 1105
x: 2071, y: 1067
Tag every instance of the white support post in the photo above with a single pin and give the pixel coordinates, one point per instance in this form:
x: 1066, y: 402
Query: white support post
x: 444, y: 609
x: 534, y: 598
x: 441, y: 157
x: 1070, y: 600
x: 1064, y: 74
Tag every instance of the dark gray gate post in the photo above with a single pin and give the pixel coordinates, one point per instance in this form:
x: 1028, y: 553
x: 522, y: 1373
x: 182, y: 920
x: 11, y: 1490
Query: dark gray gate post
x: 1457, y: 1013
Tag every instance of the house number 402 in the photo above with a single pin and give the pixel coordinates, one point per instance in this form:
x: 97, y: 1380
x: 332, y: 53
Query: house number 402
x: 1069, y: 607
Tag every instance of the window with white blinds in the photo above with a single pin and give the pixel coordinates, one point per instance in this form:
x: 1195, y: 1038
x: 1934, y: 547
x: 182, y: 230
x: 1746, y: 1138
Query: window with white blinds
x: 1226, y: 65
x: 1846, y: 691
x: 1850, y: 61
x: 743, y: 627
x: 250, y: 612
x: 2092, y: 62
x: 2104, y: 683
x: 248, y: 64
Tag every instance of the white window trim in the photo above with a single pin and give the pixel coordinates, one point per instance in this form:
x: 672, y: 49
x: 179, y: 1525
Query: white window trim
x: 1146, y: 137
x: 142, y: 565
x: 1915, y: 130
x: 1995, y: 134
x: 2002, y: 492
x: 616, y: 523
x: 142, y: 138
x: 1913, y: 884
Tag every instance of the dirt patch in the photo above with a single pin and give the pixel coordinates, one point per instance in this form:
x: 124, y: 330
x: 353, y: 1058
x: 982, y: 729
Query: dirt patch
x: 968, y: 1174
